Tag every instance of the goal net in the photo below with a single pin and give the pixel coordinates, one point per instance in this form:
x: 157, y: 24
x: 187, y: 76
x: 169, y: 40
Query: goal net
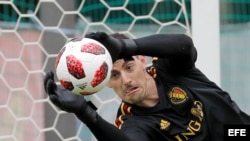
x: 31, y: 34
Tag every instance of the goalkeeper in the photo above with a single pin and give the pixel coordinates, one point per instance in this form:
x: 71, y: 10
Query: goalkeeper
x: 169, y: 100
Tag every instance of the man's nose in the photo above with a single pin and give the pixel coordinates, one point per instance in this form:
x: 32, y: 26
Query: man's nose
x: 125, y: 78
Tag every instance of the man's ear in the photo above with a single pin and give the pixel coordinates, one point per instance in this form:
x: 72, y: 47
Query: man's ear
x: 143, y: 60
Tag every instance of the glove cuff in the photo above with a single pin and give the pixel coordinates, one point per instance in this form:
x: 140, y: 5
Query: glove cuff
x: 131, y: 47
x: 88, y: 114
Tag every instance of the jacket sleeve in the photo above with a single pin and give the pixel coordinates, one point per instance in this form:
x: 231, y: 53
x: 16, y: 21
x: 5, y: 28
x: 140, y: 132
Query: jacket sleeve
x: 177, y: 50
x: 105, y: 131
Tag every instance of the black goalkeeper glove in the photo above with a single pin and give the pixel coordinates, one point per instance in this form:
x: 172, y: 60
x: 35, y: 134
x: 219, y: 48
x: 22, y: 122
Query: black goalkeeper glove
x: 118, y: 48
x: 67, y: 101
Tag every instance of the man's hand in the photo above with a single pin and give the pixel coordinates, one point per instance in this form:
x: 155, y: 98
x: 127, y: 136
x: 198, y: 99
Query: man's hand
x: 67, y: 101
x: 113, y: 45
x: 61, y: 97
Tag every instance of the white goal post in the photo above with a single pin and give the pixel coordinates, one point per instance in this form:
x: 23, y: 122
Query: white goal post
x: 206, y: 36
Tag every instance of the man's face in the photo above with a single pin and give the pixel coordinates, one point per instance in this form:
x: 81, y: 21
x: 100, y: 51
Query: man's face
x: 129, y: 79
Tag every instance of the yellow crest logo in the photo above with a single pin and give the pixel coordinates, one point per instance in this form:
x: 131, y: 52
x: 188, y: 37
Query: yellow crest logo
x: 164, y: 124
x: 177, y: 95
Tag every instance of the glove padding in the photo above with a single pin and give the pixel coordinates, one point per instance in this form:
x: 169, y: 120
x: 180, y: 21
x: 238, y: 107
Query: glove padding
x: 67, y: 101
x: 118, y: 48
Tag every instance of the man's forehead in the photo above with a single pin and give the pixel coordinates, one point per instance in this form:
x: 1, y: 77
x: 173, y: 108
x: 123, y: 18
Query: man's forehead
x: 119, y: 63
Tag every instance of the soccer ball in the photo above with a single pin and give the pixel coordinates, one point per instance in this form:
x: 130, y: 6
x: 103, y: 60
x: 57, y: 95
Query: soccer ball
x: 83, y: 66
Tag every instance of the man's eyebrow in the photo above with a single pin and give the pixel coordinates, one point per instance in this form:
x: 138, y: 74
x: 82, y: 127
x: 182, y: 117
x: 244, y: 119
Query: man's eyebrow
x: 123, y: 64
x: 113, y: 71
x: 126, y: 62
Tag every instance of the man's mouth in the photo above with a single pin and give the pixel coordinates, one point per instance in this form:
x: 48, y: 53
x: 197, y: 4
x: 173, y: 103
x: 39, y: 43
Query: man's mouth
x: 130, y: 90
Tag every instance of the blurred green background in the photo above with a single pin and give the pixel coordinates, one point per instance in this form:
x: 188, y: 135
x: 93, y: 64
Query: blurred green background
x: 33, y: 31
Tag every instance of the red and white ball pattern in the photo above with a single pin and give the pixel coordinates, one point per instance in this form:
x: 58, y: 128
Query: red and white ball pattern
x: 83, y: 66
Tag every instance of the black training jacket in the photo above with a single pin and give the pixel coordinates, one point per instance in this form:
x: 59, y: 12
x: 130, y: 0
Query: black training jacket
x: 191, y: 107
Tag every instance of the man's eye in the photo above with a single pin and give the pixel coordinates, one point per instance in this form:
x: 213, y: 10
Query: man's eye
x: 129, y: 67
x: 114, y: 75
